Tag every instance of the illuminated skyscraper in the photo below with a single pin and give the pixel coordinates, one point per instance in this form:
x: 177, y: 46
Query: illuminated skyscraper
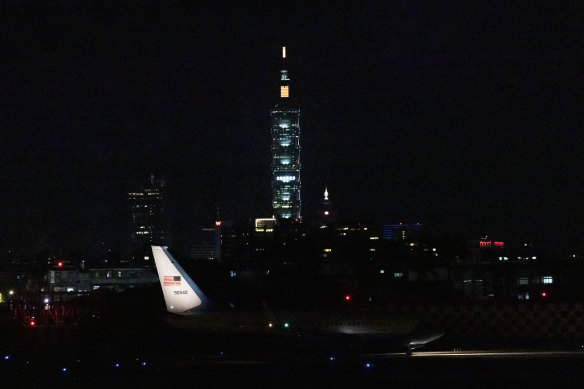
x: 285, y: 120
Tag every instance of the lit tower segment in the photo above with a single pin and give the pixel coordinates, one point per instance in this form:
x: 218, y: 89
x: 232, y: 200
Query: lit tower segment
x: 285, y: 152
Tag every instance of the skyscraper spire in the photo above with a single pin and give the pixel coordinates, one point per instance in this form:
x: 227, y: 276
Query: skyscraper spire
x: 284, y: 80
x: 325, y: 214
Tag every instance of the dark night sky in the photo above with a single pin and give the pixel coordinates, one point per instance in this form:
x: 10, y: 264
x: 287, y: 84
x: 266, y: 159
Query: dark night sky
x: 467, y: 117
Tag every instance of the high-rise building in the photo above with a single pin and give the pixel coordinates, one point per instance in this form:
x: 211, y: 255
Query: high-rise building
x: 149, y: 219
x: 208, y: 242
x: 325, y: 214
x: 285, y: 121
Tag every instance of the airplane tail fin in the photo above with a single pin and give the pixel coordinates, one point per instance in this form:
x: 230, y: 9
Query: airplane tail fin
x: 181, y: 294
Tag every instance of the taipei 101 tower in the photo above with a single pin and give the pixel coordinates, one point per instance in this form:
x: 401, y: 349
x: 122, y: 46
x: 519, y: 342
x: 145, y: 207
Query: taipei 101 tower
x: 285, y: 122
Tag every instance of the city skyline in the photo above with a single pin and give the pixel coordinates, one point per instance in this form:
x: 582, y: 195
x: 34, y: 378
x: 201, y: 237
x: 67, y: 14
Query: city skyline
x: 467, y: 119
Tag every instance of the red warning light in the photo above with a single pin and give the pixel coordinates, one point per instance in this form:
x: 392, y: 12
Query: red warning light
x: 326, y: 213
x: 347, y: 298
x: 543, y: 294
x: 32, y: 323
x: 218, y: 223
x: 60, y: 264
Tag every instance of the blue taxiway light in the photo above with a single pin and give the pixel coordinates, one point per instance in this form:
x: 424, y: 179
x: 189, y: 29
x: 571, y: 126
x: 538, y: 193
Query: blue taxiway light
x: 332, y: 358
x: 117, y: 365
x: 368, y: 365
x: 143, y: 363
x: 64, y: 369
x: 6, y: 357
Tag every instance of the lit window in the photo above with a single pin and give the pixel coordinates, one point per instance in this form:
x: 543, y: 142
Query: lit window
x: 547, y: 279
x: 523, y: 281
x: 285, y: 178
x: 398, y: 275
x: 284, y: 92
x: 285, y: 162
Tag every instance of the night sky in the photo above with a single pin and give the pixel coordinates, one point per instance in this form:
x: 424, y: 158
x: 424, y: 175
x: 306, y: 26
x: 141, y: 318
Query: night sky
x: 467, y: 117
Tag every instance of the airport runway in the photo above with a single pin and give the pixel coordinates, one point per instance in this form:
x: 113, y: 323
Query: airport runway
x: 216, y: 359
x: 464, y: 368
x: 484, y: 354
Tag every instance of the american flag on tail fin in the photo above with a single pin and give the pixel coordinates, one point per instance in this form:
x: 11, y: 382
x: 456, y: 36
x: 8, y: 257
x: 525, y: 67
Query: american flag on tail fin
x: 171, y: 280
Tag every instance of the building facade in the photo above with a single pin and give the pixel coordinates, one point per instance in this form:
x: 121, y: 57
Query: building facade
x: 402, y: 231
x: 149, y: 220
x: 285, y: 128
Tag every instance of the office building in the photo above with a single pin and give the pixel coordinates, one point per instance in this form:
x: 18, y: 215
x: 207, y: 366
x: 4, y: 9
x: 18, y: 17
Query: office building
x: 149, y: 220
x: 401, y: 231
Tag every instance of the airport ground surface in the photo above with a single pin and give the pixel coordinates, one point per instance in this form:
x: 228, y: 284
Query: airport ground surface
x: 466, y: 368
x: 134, y: 348
x: 155, y: 356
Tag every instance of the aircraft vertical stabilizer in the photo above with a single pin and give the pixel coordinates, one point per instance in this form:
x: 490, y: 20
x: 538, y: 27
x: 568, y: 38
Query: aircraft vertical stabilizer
x: 181, y: 294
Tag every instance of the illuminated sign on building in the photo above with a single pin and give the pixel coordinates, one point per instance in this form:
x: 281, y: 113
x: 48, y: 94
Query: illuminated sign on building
x: 487, y: 244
